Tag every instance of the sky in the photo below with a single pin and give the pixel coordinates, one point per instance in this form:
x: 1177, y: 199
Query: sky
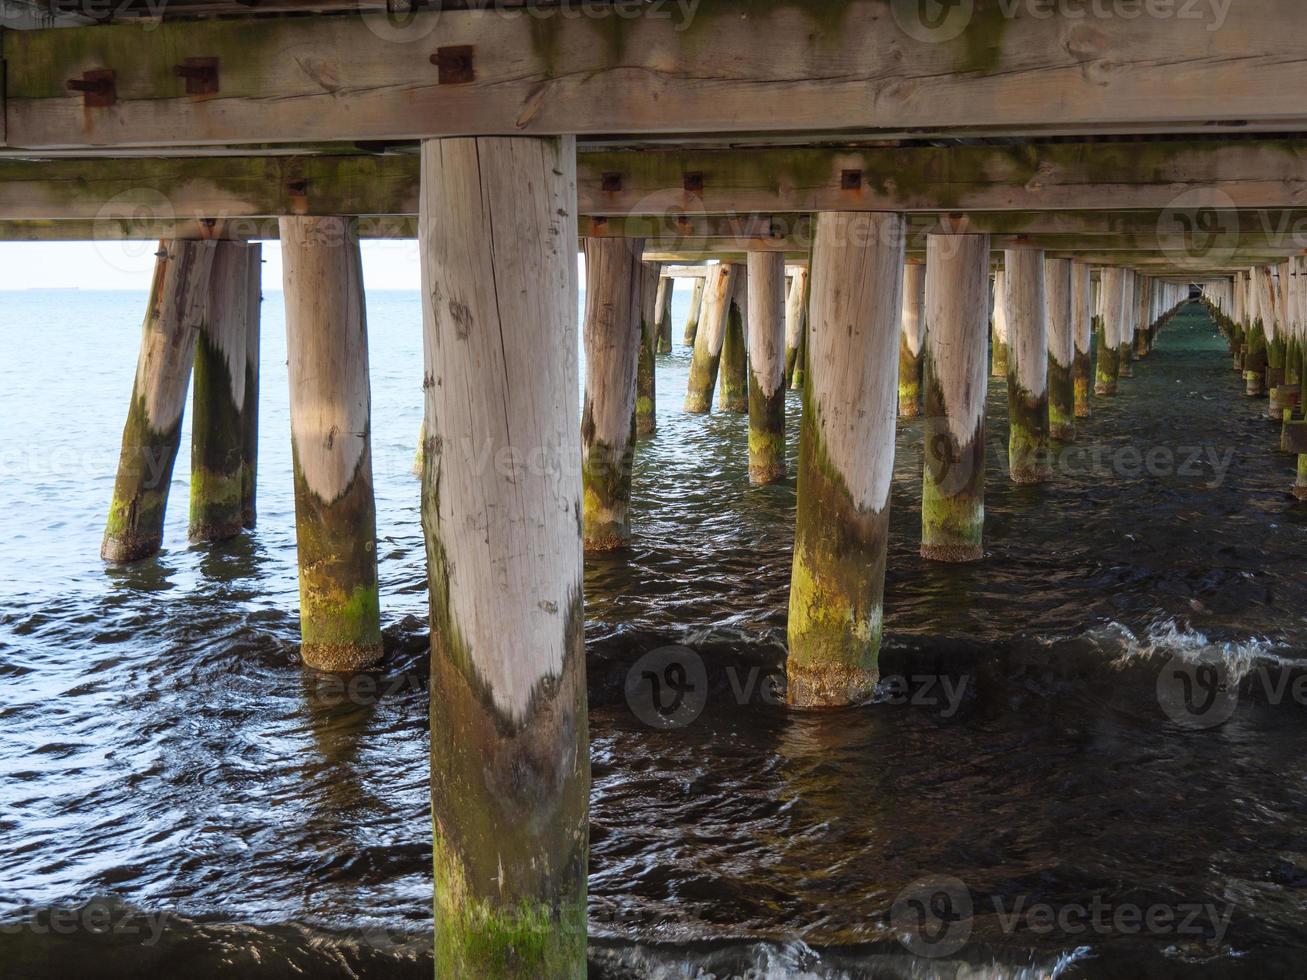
x: 387, y: 264
x: 391, y: 264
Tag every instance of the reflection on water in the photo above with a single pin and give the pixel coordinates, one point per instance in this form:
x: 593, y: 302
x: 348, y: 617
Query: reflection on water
x: 165, y: 756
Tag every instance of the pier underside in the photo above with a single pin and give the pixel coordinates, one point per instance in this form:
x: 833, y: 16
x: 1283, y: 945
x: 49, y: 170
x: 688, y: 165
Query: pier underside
x: 879, y: 209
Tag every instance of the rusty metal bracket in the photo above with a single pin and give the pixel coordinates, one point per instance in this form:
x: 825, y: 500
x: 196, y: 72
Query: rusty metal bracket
x: 97, y: 88
x: 454, y: 65
x: 297, y: 194
x: 201, y: 75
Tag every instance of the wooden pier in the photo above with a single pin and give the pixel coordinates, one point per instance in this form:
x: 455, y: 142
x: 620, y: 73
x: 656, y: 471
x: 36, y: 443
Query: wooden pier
x: 859, y: 197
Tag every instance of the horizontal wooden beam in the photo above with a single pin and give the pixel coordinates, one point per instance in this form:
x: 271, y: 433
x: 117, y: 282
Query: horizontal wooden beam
x: 1228, y: 259
x: 744, y: 192
x: 219, y: 187
x: 665, y: 68
x: 128, y: 228
x: 1182, y: 176
x: 1183, y: 249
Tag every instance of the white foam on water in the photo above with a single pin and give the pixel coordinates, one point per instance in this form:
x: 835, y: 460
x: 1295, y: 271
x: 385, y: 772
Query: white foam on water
x: 1168, y: 638
x: 797, y: 960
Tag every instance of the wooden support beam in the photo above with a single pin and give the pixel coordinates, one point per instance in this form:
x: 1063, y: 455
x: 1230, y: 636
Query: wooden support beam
x: 766, y: 387
x: 130, y: 218
x: 846, y: 460
x: 1111, y: 310
x: 1061, y: 347
x: 1178, y: 249
x: 152, y: 433
x: 613, y: 332
x: 796, y: 320
x: 1082, y: 317
x: 692, y: 316
x: 1227, y: 259
x: 250, y: 410
x: 1000, y: 355
x: 1190, y: 188
x: 1129, y: 325
x: 733, y: 376
x: 331, y: 443
x: 510, y: 767
x: 647, y: 283
x: 705, y: 363
x: 953, y: 480
x: 911, y: 338
x: 218, y: 426
x: 1027, y: 376
x: 1184, y: 176
x: 862, y: 66
x: 664, y: 290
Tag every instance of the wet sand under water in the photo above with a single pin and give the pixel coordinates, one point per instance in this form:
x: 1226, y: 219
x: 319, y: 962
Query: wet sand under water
x: 166, y: 757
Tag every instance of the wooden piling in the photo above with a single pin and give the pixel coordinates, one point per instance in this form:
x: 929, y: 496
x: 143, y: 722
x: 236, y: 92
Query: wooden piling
x: 692, y: 318
x: 173, y: 314
x: 766, y: 338
x: 250, y: 411
x: 999, y: 320
x: 733, y: 381
x: 218, y: 396
x: 613, y: 350
x: 1261, y: 312
x: 647, y: 286
x: 911, y: 339
x: 1129, y: 315
x: 1082, y: 328
x: 1275, y: 324
x: 1027, y: 378
x: 420, y: 457
x: 663, y: 314
x: 1061, y: 349
x: 510, y: 772
x: 1294, y: 356
x: 1293, y: 322
x: 331, y: 442
x: 956, y: 315
x: 1145, y: 319
x: 800, y: 373
x: 796, y: 316
x: 1111, y: 305
x: 846, y: 458
x: 705, y: 361
x: 1239, y: 316
x: 1254, y: 345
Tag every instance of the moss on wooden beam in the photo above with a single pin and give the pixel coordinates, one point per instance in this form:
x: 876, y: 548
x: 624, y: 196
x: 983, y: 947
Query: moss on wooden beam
x: 756, y: 198
x: 866, y: 66
x: 122, y: 192
x: 1180, y: 175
